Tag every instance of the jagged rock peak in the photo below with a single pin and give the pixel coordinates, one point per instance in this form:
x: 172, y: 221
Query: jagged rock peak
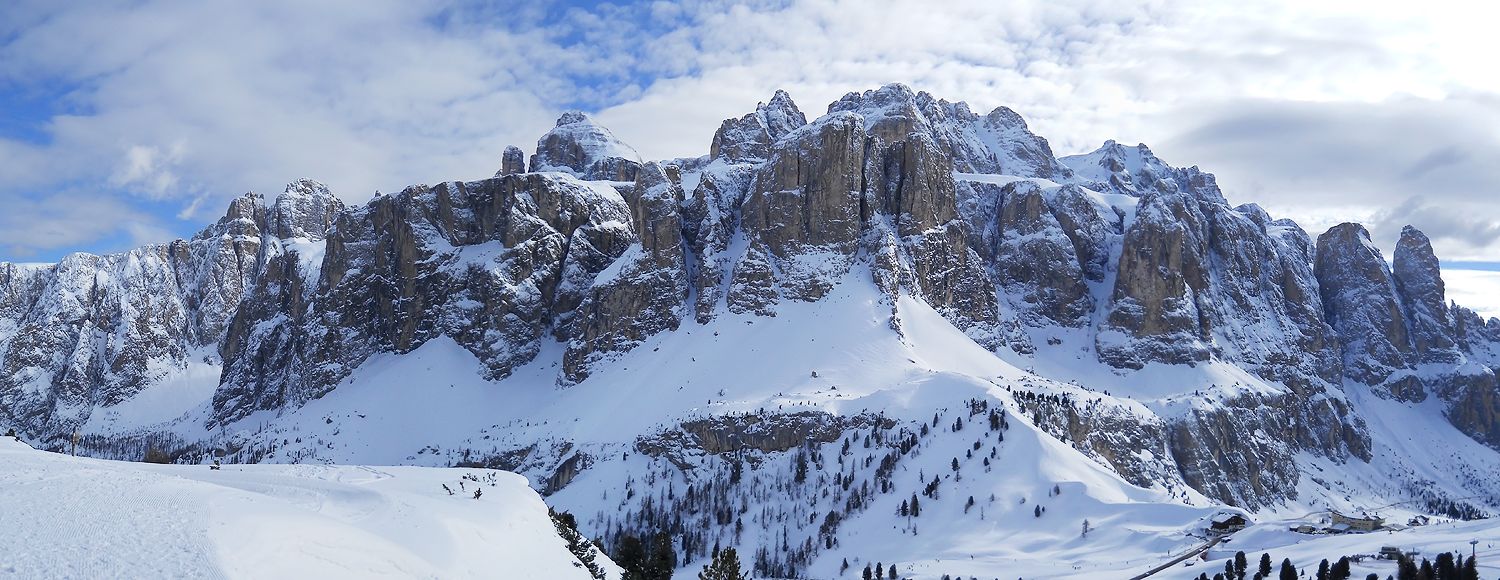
x: 584, y: 148
x: 305, y: 209
x: 749, y: 138
x: 1361, y: 303
x: 513, y: 161
x: 998, y: 143
x: 1419, y: 282
x: 1137, y: 171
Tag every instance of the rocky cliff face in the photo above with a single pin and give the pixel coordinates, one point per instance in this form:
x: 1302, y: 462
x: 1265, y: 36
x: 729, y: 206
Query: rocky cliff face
x: 594, y: 251
x: 1399, y: 335
x: 90, y: 332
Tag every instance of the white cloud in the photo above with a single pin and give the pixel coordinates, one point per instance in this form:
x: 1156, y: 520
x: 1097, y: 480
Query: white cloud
x: 199, y: 101
x: 149, y: 169
x: 1475, y: 289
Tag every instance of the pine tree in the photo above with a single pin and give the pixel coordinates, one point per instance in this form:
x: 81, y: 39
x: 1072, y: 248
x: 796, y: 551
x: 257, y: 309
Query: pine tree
x: 567, y: 528
x: 1340, y: 569
x: 1288, y: 572
x: 1265, y: 565
x: 1241, y: 563
x: 1406, y: 569
x: 870, y: 574
x: 1323, y: 570
x: 800, y: 474
x: 879, y: 570
x: 663, y: 559
x: 891, y: 572
x: 916, y: 509
x: 725, y: 566
x: 1446, y: 569
x: 1471, y: 570
x: 630, y: 555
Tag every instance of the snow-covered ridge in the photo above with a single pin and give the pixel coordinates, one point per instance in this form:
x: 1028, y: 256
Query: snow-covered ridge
x: 79, y: 517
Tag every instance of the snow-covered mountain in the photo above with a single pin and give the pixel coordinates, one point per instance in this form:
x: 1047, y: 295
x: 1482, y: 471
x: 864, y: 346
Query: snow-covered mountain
x: 775, y: 345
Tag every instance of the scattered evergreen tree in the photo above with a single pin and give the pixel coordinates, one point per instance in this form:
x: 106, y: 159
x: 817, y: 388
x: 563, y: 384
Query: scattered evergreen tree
x: 630, y: 555
x: 1265, y: 565
x: 663, y: 559
x: 870, y: 574
x: 1406, y: 569
x: 879, y: 570
x: 1323, y: 569
x: 725, y: 566
x: 567, y: 528
x: 1446, y: 569
x: 1086, y: 528
x: 1288, y: 572
x: 800, y: 475
x: 916, y: 509
x: 1241, y: 563
x: 891, y: 572
x: 1471, y: 570
x: 1340, y: 569
x: 1036, y: 511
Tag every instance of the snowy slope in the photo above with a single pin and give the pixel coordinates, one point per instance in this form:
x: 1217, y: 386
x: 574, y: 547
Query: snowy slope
x: 88, y: 518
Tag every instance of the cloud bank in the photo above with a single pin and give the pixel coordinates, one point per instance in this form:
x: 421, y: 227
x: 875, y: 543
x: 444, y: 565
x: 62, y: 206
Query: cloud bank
x: 161, y: 110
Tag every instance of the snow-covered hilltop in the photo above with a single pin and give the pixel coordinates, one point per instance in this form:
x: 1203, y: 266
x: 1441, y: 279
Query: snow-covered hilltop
x: 899, y: 300
x: 89, y: 518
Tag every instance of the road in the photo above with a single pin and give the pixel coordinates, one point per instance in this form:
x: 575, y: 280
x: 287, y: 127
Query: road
x: 1189, y: 554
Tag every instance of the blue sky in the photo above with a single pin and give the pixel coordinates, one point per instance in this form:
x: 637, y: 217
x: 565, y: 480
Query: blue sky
x: 133, y: 122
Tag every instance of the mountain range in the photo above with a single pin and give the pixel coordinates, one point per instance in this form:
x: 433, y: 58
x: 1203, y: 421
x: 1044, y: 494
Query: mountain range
x: 773, y: 344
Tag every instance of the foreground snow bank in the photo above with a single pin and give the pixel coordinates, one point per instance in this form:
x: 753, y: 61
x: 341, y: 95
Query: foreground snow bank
x: 63, y: 516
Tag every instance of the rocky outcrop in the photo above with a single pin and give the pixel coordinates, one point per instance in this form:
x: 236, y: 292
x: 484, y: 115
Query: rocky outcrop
x: 1035, y: 260
x: 1360, y: 302
x: 749, y: 138
x: 492, y: 264
x: 579, y: 146
x: 803, y: 214
x: 1157, y: 307
x: 997, y: 143
x: 642, y: 293
x: 90, y: 332
x: 513, y: 161
x: 1136, y: 171
x: 305, y: 210
x: 1419, y: 283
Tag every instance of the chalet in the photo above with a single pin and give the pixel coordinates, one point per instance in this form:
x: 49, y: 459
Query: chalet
x: 1226, y: 522
x: 1305, y: 529
x: 1362, y: 522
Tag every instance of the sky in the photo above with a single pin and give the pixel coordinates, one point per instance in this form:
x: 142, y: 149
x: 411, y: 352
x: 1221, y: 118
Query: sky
x: 124, y: 123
